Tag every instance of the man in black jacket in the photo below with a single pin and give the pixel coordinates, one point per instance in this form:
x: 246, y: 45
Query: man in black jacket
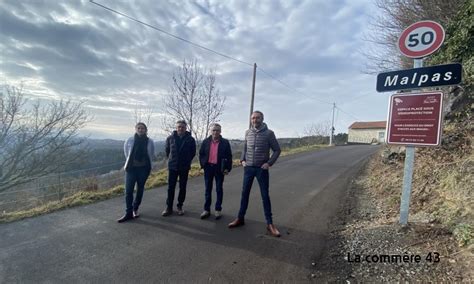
x: 215, y: 157
x: 180, y: 151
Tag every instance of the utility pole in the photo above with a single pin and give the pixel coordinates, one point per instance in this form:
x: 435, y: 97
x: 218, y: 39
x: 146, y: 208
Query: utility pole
x: 253, y: 93
x: 332, y: 124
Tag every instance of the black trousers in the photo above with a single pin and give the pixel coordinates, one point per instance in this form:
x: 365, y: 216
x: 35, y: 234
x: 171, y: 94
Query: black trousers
x: 172, y: 180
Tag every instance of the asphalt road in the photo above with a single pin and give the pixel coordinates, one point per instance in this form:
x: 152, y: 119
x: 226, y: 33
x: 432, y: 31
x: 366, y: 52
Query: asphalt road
x: 86, y: 244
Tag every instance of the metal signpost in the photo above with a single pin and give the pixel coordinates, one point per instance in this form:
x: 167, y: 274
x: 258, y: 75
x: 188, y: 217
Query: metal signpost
x: 415, y: 119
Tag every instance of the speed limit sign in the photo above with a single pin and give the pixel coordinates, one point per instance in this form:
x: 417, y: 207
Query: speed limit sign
x: 421, y: 39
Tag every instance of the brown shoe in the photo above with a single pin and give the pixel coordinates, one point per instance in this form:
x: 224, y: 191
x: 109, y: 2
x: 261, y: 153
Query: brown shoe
x: 236, y: 223
x: 273, y: 230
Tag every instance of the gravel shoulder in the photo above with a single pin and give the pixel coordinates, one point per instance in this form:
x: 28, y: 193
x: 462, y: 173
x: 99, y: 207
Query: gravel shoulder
x: 367, y: 244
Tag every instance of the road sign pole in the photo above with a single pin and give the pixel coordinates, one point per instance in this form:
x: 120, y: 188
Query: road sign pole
x: 408, y: 172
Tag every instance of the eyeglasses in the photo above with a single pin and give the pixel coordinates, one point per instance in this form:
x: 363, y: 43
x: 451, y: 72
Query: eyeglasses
x: 217, y: 130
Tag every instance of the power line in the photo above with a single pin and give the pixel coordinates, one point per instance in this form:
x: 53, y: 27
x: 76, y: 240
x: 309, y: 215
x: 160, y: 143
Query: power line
x: 356, y: 98
x: 286, y: 85
x: 294, y: 90
x: 170, y: 34
x: 208, y: 49
x: 203, y: 47
x: 347, y: 113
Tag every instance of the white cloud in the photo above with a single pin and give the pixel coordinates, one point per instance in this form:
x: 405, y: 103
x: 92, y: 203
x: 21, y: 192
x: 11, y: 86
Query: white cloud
x: 80, y: 51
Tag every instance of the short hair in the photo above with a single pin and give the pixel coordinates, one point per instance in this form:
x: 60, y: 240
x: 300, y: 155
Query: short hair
x: 257, y: 111
x: 142, y: 124
x: 215, y: 125
x: 181, y: 121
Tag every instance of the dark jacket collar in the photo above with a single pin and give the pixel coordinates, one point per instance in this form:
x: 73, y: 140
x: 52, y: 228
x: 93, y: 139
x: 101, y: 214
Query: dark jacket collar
x: 186, y: 134
x: 210, y: 138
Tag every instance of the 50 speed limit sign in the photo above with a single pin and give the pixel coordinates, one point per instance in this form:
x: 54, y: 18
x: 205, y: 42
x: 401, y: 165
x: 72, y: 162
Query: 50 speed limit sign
x: 421, y: 39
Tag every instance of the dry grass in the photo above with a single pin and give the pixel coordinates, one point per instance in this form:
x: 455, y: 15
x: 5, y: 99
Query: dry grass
x: 80, y: 198
x: 442, y: 187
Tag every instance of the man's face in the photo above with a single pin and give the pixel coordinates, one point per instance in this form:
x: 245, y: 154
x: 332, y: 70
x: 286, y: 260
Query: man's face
x: 257, y: 119
x: 215, y: 132
x: 140, y: 129
x: 180, y: 128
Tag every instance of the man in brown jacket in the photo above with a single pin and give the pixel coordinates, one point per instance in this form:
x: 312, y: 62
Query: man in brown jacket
x: 256, y: 161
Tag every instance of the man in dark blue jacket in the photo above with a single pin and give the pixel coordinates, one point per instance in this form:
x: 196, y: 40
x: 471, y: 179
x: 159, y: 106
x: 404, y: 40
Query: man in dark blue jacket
x: 180, y: 151
x: 215, y: 157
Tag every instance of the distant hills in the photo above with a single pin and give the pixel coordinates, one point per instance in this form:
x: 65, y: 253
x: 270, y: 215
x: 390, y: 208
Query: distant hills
x: 104, y: 155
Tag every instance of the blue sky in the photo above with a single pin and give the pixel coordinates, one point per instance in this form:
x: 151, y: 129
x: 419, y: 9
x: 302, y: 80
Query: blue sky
x: 80, y: 51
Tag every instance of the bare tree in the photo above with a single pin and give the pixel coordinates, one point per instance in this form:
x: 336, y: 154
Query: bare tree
x: 145, y: 115
x: 395, y: 17
x: 194, y: 98
x: 38, y: 140
x: 214, y: 101
x: 318, y: 129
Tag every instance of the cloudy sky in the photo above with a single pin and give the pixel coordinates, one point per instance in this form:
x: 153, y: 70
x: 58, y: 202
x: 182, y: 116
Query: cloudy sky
x: 77, y: 50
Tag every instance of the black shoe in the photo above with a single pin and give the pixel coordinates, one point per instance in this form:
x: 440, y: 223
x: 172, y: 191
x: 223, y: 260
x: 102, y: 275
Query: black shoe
x: 135, y: 214
x: 125, y: 217
x: 166, y: 212
x: 205, y: 214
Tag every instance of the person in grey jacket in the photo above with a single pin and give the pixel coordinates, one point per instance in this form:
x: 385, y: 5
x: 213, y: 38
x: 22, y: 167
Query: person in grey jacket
x: 180, y: 151
x: 139, y: 151
x: 256, y: 161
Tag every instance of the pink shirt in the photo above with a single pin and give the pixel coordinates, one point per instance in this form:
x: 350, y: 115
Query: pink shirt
x: 213, y: 152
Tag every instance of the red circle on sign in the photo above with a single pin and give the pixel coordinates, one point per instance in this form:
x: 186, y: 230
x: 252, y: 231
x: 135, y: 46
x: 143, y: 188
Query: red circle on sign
x: 437, y: 28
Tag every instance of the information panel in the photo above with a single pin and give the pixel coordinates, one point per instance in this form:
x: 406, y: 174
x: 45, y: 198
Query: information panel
x: 415, y: 119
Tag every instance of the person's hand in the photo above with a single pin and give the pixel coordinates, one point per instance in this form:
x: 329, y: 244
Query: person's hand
x: 243, y: 163
x: 226, y: 172
x: 265, y: 166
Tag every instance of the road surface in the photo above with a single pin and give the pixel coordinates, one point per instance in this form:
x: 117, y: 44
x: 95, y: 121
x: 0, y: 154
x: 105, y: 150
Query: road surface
x: 86, y: 244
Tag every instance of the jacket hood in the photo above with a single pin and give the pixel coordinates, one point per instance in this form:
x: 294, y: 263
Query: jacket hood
x: 262, y: 128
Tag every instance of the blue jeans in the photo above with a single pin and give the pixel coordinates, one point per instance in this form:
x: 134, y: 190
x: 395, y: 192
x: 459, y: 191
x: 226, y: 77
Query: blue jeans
x: 212, y: 172
x: 263, y: 178
x: 135, y: 175
x: 172, y: 180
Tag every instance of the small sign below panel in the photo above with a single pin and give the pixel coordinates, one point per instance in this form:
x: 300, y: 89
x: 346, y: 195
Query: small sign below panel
x: 415, y: 119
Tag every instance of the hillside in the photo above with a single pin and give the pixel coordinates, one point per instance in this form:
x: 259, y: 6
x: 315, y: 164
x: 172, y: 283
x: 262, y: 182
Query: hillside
x: 441, y: 219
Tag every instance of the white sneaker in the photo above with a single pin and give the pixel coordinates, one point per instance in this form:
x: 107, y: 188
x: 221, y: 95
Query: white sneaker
x: 218, y: 215
x: 205, y: 214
